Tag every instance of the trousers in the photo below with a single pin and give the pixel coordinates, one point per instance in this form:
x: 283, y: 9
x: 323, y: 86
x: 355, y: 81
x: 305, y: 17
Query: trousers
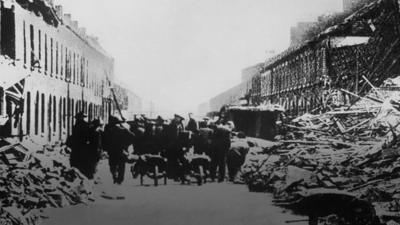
x: 117, y: 168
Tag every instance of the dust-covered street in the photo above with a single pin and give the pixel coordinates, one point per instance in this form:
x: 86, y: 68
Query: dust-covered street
x: 208, y: 112
x: 174, y: 204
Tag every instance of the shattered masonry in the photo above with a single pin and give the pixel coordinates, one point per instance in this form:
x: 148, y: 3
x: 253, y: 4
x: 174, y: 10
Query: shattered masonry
x: 63, y: 70
x: 337, y: 58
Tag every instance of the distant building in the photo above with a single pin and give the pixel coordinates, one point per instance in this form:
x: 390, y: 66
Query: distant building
x: 304, y: 78
x: 297, y: 33
x: 229, y: 97
x: 135, y: 105
x: 238, y: 93
x: 250, y: 71
x: 203, y: 109
x: 129, y: 103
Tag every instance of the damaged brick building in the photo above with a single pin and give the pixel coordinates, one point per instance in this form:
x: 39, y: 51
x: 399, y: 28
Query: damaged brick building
x: 50, y: 70
x: 129, y: 103
x: 363, y: 47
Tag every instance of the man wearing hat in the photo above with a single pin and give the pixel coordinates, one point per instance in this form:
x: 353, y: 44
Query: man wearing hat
x: 160, y: 135
x: 221, y: 143
x: 116, y: 141
x: 160, y: 121
x: 79, y: 143
x: 192, y: 124
x: 94, y: 148
x: 174, y: 130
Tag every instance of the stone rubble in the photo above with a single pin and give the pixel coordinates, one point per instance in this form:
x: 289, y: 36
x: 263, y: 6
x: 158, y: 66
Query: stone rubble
x: 33, y: 180
x: 353, y: 149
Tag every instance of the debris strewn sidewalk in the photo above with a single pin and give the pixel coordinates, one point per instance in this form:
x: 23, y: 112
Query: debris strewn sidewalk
x: 350, y: 148
x: 34, y: 177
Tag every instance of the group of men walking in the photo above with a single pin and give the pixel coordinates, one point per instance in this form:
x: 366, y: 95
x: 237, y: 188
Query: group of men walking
x: 85, y: 143
x: 171, y: 140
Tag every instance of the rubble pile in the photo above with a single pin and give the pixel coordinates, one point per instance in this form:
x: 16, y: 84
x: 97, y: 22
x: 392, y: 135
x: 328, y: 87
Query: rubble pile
x: 353, y: 149
x: 31, y: 181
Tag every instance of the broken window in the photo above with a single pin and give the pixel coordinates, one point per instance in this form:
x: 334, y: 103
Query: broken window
x: 56, y: 58
x: 28, y: 113
x: 45, y: 54
x: 73, y: 68
x: 87, y: 72
x: 51, y: 57
x: 32, y: 39
x: 54, y: 114
x: 49, y: 117
x: 61, y: 60
x: 68, y: 115
x: 60, y: 128
x: 7, y: 37
x: 72, y: 114
x: 77, y: 107
x: 66, y: 64
x: 24, y: 31
x: 63, y: 113
x: 40, y: 44
x: 78, y: 76
x: 1, y: 100
x: 84, y: 107
x: 78, y: 80
x: 81, y: 71
x: 42, y: 113
x: 37, y: 114
x: 90, y: 112
x: 60, y: 116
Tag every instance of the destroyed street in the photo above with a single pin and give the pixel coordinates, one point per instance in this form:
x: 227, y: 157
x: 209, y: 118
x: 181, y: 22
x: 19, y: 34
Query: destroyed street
x: 200, y: 112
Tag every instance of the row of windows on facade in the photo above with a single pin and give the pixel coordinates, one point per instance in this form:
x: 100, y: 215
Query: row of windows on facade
x: 58, y: 60
x: 290, y: 74
x: 59, y: 116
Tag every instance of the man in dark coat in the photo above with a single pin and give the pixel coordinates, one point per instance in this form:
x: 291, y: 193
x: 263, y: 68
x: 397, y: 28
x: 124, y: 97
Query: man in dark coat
x: 79, y: 144
x: 192, y: 124
x: 202, y: 140
x: 174, y: 149
x: 237, y: 156
x: 140, y: 138
x: 151, y: 144
x: 116, y: 142
x: 221, y: 144
x: 94, y: 147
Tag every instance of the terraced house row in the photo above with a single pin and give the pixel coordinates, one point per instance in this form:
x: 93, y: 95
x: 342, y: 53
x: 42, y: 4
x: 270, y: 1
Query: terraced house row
x: 50, y: 70
x: 364, y: 46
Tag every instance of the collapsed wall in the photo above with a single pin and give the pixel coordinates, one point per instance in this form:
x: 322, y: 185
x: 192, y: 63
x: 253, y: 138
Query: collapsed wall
x: 365, y: 44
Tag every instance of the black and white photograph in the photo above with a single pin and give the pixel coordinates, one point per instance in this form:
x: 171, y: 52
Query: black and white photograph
x: 200, y: 112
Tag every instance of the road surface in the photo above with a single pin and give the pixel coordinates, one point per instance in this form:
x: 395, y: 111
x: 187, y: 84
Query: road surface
x: 174, y: 204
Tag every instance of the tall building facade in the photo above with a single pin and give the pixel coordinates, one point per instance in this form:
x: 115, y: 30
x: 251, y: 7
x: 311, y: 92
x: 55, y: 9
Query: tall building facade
x: 307, y: 77
x: 50, y: 70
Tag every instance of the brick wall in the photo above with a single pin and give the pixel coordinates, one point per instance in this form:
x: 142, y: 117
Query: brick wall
x: 61, y: 65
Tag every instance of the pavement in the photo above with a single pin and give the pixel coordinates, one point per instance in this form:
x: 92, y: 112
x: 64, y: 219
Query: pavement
x: 174, y: 204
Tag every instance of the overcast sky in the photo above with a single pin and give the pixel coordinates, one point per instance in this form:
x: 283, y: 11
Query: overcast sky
x: 180, y: 53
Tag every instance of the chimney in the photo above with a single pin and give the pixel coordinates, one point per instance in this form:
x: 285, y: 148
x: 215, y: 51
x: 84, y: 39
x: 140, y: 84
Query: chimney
x: 67, y: 19
x: 82, y: 31
x: 59, y: 11
x: 75, y: 25
x: 95, y: 39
